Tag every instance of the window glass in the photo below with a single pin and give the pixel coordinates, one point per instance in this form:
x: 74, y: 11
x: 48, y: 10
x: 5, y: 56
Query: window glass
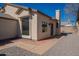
x: 44, y: 26
x: 25, y: 26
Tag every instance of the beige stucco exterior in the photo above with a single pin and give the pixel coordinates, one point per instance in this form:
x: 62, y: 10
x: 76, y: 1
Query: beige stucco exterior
x: 11, y: 10
x: 34, y: 27
x: 40, y: 19
x: 35, y: 23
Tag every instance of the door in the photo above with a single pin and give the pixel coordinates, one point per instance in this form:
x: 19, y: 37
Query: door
x: 8, y: 28
x: 25, y: 26
x: 51, y: 29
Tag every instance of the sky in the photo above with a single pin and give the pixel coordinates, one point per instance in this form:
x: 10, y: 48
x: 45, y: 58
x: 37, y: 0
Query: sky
x: 47, y: 8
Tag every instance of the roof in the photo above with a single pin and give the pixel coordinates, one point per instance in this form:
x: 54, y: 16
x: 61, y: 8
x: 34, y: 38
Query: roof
x: 6, y: 16
x: 26, y: 8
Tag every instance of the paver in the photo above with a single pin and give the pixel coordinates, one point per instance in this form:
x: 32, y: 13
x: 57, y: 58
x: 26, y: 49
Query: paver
x: 16, y: 51
x: 36, y: 47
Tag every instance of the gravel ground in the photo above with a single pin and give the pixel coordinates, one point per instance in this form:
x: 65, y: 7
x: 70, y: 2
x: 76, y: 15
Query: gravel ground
x: 16, y: 51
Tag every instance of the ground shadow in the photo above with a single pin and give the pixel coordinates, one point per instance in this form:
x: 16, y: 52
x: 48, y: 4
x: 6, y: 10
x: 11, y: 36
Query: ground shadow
x: 4, y: 42
x: 62, y: 34
x: 56, y: 36
x: 7, y: 41
x: 2, y: 54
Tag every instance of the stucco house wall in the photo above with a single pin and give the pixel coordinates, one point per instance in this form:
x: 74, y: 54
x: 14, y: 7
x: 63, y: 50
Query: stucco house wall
x: 34, y: 27
x: 35, y: 22
x: 42, y: 18
x: 11, y: 10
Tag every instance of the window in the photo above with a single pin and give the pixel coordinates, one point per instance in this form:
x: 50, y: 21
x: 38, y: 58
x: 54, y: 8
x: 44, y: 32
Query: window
x: 19, y: 11
x: 44, y: 26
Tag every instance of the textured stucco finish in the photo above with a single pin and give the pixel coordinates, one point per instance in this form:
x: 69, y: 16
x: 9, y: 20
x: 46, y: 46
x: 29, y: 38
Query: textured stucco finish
x: 12, y: 11
x: 42, y: 35
x: 34, y: 27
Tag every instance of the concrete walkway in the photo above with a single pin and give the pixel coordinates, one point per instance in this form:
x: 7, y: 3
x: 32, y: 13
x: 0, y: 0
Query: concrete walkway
x: 68, y: 46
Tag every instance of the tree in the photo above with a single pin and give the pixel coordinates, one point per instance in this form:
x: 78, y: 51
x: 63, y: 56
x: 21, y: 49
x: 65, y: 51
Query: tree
x: 73, y: 10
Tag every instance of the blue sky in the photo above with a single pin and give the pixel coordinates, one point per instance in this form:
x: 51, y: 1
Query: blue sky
x: 47, y: 8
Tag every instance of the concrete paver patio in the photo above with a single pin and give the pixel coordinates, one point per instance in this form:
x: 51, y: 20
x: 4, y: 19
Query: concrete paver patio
x: 37, y: 47
x: 16, y: 51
